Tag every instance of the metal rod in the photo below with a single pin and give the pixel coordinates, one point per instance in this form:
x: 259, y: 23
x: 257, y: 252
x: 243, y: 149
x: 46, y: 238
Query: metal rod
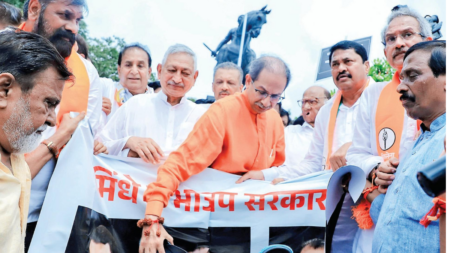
x: 242, y: 41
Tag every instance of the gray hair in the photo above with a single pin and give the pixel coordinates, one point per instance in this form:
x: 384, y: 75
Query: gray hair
x: 180, y: 48
x: 425, y: 27
x: 271, y: 63
x: 229, y: 65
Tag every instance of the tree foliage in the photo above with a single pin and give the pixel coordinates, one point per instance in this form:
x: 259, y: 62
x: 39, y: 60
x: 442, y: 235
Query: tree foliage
x: 17, y: 3
x: 381, y: 71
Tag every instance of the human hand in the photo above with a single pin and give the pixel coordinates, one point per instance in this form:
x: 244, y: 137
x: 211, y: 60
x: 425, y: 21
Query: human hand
x: 254, y: 174
x: 277, y: 180
x: 131, y: 153
x: 145, y: 148
x: 337, y: 159
x: 106, y: 106
x: 213, y: 53
x: 153, y: 243
x: 66, y: 129
x: 100, y: 148
x: 385, y: 174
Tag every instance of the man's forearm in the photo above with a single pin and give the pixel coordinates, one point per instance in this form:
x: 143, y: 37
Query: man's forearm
x: 41, y: 155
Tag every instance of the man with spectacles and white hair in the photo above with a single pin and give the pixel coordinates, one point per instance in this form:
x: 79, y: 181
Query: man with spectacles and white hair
x: 237, y: 134
x: 385, y: 132
x: 150, y: 126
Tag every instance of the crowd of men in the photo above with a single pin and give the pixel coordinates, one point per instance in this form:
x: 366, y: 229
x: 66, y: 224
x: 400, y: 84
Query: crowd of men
x: 390, y: 129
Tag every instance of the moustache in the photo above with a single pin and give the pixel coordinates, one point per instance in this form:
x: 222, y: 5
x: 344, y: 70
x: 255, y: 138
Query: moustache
x: 345, y: 74
x: 262, y: 106
x: 171, y: 82
x: 62, y: 33
x: 224, y: 93
x: 42, y: 128
x: 406, y: 96
x: 397, y: 52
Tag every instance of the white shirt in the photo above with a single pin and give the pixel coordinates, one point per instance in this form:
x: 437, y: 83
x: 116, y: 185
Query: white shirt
x: 315, y: 159
x: 297, y: 139
x: 109, y: 91
x: 40, y: 182
x: 363, y: 152
x: 151, y: 116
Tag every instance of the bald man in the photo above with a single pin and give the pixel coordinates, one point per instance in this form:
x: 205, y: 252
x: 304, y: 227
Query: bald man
x: 298, y: 137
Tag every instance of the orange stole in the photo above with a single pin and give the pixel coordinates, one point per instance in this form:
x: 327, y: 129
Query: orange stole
x: 75, y: 95
x: 389, y: 120
x: 332, y: 124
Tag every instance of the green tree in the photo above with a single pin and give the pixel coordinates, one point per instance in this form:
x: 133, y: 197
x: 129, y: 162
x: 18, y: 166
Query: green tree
x: 104, y: 53
x: 17, y: 3
x: 381, y: 71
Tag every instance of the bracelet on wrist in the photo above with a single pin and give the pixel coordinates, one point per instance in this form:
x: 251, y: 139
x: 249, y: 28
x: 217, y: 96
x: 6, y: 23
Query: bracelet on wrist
x: 149, y: 222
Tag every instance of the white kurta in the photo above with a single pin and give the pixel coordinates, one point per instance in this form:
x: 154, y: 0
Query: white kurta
x: 297, y: 139
x: 109, y: 91
x: 346, y: 123
x: 363, y: 152
x: 151, y: 116
x: 94, y: 110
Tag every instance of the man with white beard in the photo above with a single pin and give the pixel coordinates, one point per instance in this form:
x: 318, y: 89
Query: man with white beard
x: 32, y: 77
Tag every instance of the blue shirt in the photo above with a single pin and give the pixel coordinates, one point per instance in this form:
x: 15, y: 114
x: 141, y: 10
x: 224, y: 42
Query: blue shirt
x: 397, y: 214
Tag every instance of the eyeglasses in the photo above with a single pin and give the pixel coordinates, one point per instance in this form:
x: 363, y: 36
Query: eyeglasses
x: 311, y: 102
x: 391, y: 39
x: 273, y: 97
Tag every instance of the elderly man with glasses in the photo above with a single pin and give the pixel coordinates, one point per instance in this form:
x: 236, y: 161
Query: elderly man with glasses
x: 237, y: 134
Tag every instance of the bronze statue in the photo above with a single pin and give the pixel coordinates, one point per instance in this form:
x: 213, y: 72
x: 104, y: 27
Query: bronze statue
x: 435, y: 26
x: 229, y: 52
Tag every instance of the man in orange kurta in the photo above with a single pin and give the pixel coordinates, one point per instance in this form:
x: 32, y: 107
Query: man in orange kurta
x: 237, y: 134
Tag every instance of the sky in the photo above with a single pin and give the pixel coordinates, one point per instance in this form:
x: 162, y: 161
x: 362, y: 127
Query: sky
x: 296, y: 31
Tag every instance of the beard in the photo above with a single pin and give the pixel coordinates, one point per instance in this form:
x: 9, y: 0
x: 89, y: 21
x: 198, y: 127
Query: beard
x: 20, y: 139
x: 62, y: 39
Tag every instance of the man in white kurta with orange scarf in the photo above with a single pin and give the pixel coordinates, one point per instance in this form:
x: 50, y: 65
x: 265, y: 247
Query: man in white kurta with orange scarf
x: 385, y: 132
x: 333, y: 132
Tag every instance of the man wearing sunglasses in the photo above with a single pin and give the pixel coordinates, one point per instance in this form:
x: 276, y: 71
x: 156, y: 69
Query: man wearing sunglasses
x: 237, y: 134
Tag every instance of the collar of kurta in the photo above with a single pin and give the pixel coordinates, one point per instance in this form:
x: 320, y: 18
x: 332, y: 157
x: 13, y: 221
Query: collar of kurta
x: 436, y: 125
x: 307, y: 125
x: 163, y: 97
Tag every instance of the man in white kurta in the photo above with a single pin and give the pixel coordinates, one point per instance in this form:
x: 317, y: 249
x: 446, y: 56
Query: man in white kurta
x: 350, y: 67
x: 299, y: 137
x: 153, y: 125
x: 364, y: 150
x: 134, y: 70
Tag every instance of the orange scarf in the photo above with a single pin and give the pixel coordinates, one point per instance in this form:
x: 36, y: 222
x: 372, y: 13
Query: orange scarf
x: 75, y: 95
x: 332, y: 124
x: 389, y: 120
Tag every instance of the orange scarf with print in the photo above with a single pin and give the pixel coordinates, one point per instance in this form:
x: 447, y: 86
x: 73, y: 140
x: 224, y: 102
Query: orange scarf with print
x: 389, y: 120
x: 75, y: 94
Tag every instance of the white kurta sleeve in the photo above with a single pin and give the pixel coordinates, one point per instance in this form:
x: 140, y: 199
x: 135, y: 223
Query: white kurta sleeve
x: 94, y: 109
x: 313, y: 161
x: 360, y: 152
x: 115, y: 135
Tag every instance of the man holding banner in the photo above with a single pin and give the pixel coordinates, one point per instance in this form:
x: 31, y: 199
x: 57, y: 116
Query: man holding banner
x: 385, y: 132
x: 217, y: 141
x: 83, y: 95
x: 32, y: 77
x: 151, y: 126
x: 333, y: 133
